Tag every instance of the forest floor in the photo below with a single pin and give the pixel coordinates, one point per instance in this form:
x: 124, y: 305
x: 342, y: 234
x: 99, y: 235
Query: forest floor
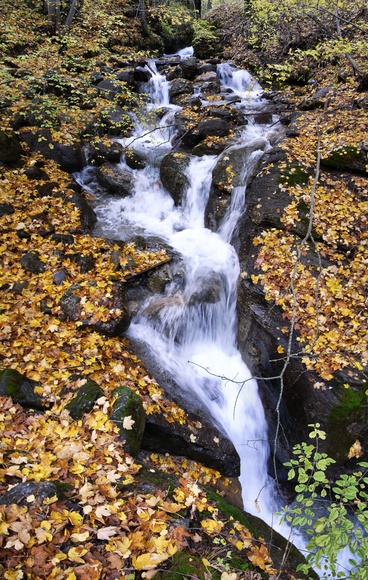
x: 105, y: 523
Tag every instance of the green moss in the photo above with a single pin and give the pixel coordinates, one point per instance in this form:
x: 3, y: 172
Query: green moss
x: 350, y: 400
x: 294, y: 176
x: 186, y: 566
x: 84, y: 399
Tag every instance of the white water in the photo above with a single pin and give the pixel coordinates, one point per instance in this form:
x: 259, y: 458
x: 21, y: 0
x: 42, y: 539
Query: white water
x: 196, y: 341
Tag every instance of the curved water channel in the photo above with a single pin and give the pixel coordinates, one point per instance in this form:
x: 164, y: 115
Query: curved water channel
x: 194, y: 341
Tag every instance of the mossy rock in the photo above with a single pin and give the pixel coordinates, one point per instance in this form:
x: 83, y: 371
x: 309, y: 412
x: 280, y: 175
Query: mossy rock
x: 20, y: 388
x: 349, y: 158
x: 294, y: 176
x: 84, y: 399
x: 277, y: 545
x: 186, y: 566
x: 128, y: 404
x: 347, y: 421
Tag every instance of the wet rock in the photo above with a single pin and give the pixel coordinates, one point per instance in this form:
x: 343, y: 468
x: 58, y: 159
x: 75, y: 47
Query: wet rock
x: 41, y: 490
x: 352, y: 158
x: 202, y: 446
x: 37, y: 114
x: 178, y: 87
x: 108, y: 89
x: 134, y: 159
x: 127, y: 76
x: 208, y: 290
x: 102, y: 151
x: 69, y: 157
x: 36, y: 173
x: 88, y: 216
x: 141, y: 74
x: 159, y: 278
x: 6, y: 209
x: 174, y: 174
x: 32, y: 262
x: 20, y: 388
x: 11, y: 150
x: 83, y: 401
x: 227, y: 174
x: 213, y: 128
x: 189, y: 67
x: 116, y: 321
x: 117, y: 180
x: 128, y: 406
x: 115, y: 121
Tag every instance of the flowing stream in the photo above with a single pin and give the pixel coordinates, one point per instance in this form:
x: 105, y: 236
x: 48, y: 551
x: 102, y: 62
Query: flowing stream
x: 191, y: 338
x: 195, y: 341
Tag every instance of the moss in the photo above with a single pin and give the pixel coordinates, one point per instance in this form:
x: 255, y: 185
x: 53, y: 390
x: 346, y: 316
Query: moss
x: 20, y: 388
x: 84, y: 399
x: 186, y: 566
x: 350, y: 400
x: 294, y: 176
x: 348, y: 158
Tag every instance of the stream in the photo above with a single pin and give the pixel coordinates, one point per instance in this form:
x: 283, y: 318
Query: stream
x: 191, y: 339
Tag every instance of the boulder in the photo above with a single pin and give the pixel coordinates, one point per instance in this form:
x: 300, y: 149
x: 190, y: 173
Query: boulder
x: 101, y: 151
x: 11, y: 150
x: 117, y: 180
x: 32, y: 262
x: 115, y: 121
x: 174, y: 174
x: 41, y: 490
x: 20, y: 388
x: 352, y: 158
x: 231, y: 170
x: 116, y: 319
x: 88, y: 216
x: 178, y: 87
x: 189, y: 67
x: 85, y: 397
x: 129, y: 416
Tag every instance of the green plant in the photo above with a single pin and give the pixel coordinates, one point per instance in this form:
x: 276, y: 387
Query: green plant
x: 344, y: 523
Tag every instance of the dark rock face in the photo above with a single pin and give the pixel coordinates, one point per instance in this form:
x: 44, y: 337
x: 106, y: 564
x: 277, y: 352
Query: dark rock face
x: 21, y: 389
x: 88, y: 216
x: 173, y: 174
x: 116, y: 180
x: 223, y: 180
x: 10, y: 149
x: 72, y: 307
x: 100, y: 152
x: 32, y: 262
x: 129, y: 416
x: 84, y: 399
x: 339, y: 411
x: 41, y: 490
x: 69, y: 157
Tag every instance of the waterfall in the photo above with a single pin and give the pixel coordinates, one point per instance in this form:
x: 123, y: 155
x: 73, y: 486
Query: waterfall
x: 191, y: 329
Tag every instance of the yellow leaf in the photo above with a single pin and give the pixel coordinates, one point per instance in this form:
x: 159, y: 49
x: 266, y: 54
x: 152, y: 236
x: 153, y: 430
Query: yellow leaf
x: 76, y: 538
x: 75, y: 554
x: 206, y: 562
x: 148, y: 561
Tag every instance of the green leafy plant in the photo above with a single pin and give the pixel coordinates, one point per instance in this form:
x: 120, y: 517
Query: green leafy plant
x: 344, y: 521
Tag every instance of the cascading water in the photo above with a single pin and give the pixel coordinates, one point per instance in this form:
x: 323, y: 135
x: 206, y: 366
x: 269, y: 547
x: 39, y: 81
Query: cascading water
x: 191, y: 329
x: 192, y: 339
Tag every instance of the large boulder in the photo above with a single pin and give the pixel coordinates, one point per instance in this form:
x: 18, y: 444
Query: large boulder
x: 174, y: 174
x: 129, y: 416
x: 11, y: 150
x: 20, y: 388
x: 116, y: 179
x: 88, y: 391
x: 113, y: 321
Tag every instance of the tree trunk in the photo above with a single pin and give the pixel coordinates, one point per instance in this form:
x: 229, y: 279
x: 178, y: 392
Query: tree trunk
x: 142, y: 13
x: 69, y: 18
x: 53, y: 15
